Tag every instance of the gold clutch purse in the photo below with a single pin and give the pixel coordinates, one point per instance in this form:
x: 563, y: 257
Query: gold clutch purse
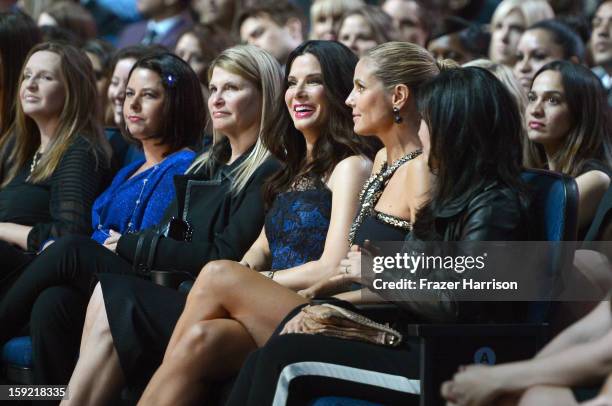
x: 336, y: 321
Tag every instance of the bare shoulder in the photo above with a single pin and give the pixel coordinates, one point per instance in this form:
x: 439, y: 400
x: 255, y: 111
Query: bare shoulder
x: 355, y: 167
x: 593, y: 180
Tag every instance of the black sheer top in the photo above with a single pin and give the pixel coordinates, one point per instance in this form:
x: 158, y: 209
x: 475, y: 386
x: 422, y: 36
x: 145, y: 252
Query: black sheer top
x: 60, y: 205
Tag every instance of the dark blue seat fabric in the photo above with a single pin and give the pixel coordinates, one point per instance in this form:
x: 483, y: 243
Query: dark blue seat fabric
x: 555, y: 204
x: 18, y: 352
x: 555, y: 208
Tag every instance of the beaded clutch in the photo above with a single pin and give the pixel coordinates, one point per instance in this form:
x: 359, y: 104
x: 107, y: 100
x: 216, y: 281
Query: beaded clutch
x: 335, y: 321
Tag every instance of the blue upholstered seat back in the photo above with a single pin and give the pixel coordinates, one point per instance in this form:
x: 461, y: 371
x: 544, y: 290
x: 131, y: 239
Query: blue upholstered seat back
x: 555, y: 205
x: 555, y: 214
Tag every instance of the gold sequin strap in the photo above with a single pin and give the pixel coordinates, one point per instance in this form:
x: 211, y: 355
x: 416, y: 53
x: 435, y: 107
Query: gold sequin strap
x: 373, y: 188
x: 394, y: 221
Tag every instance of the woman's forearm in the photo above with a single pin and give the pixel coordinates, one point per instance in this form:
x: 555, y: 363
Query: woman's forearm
x: 256, y: 259
x: 581, y: 364
x: 590, y: 328
x: 15, y: 234
x: 305, y: 275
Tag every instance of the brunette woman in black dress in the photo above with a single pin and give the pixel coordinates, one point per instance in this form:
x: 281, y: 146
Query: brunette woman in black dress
x: 54, y: 158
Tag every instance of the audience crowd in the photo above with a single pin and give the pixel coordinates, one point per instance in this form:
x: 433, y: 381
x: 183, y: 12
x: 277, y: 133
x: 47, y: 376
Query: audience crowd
x: 189, y: 189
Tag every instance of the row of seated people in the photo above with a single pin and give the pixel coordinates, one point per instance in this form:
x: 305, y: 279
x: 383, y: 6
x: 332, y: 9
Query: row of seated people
x: 292, y: 136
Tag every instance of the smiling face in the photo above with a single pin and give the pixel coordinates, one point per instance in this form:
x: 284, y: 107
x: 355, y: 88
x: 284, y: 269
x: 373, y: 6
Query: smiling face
x: 371, y: 103
x: 234, y: 103
x: 143, y: 109
x: 601, y: 38
x: 357, y: 35
x: 535, y: 49
x: 505, y: 35
x: 116, y: 88
x: 189, y: 50
x: 41, y: 92
x: 305, y: 96
x: 548, y: 116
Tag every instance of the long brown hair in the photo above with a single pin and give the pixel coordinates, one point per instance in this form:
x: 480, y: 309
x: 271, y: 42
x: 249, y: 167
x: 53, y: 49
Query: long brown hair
x: 589, y: 136
x: 337, y: 140
x: 78, y: 118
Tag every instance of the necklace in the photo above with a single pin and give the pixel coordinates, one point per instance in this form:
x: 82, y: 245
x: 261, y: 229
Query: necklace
x: 373, y: 188
x: 35, y: 161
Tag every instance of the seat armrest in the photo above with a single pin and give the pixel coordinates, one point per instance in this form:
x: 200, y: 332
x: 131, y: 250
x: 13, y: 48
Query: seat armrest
x: 170, y: 279
x: 477, y: 330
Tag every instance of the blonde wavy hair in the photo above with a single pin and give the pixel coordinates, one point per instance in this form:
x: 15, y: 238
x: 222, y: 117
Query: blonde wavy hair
x: 264, y: 72
x: 532, y: 11
x: 77, y: 118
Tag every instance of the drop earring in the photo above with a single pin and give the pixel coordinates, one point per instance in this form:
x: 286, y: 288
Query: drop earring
x: 396, y: 115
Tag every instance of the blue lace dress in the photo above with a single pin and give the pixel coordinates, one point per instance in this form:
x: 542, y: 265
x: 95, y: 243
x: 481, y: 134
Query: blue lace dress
x: 296, y: 224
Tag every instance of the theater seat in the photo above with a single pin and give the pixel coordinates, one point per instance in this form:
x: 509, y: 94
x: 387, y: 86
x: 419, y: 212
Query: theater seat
x: 17, y: 361
x: 445, y: 347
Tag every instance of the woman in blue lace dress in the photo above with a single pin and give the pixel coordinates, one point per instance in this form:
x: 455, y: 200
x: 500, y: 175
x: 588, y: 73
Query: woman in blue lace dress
x: 311, y: 202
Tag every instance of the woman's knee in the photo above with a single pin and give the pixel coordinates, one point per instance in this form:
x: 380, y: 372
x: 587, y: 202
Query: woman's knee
x: 547, y: 396
x: 69, y: 243
x: 55, y: 307
x: 214, y: 277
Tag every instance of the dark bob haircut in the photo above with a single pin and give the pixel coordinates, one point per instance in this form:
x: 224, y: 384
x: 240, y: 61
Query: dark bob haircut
x: 589, y: 135
x: 337, y: 140
x: 183, y: 111
x: 475, y: 135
